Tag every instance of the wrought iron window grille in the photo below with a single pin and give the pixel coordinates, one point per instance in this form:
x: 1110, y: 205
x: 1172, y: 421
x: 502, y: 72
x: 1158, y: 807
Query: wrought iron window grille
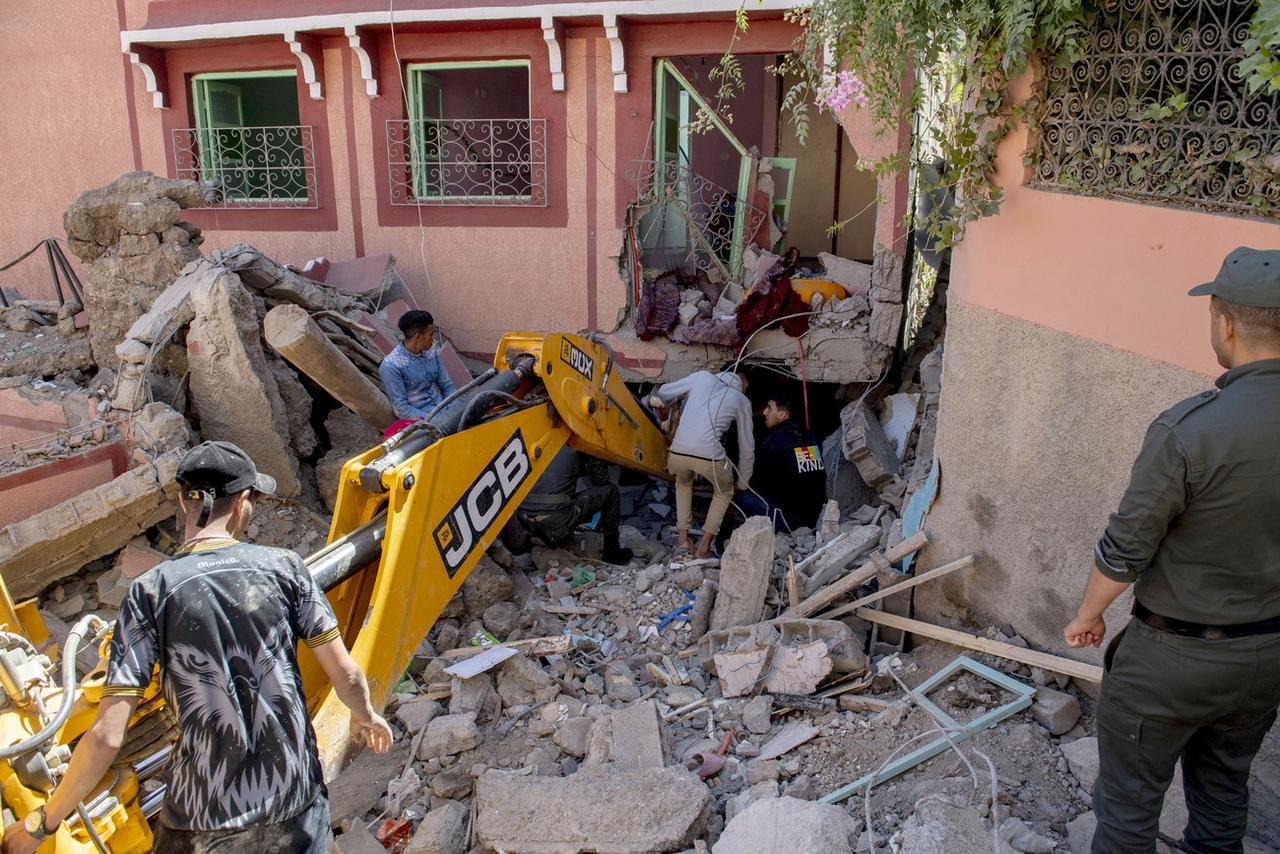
x: 250, y: 167
x: 468, y: 162
x: 1157, y: 110
x: 691, y: 221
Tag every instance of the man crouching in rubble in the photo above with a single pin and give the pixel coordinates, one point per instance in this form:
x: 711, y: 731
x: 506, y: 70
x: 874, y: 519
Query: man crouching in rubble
x: 1195, y: 675
x: 222, y: 619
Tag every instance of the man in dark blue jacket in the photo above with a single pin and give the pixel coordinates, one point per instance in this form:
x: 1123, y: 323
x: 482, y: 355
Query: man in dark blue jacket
x: 789, y: 483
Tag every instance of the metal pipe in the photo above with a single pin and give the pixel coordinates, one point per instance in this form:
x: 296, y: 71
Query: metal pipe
x: 461, y: 390
x: 152, y: 802
x: 445, y: 422
x: 73, y: 281
x: 475, y: 403
x: 53, y: 272
x: 343, y: 558
x: 149, y: 766
x: 69, y: 650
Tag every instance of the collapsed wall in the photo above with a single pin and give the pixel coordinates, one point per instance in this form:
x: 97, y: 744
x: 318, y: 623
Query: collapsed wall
x: 174, y: 354
x: 133, y: 242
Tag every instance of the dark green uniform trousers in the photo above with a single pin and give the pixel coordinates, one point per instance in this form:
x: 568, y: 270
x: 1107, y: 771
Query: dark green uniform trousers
x: 1165, y: 697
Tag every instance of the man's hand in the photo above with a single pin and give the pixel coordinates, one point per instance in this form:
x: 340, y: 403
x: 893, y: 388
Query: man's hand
x: 18, y: 841
x: 372, y: 731
x: 1083, y: 631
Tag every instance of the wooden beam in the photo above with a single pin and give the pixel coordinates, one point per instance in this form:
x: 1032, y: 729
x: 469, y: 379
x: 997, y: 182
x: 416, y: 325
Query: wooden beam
x: 1047, y: 661
x: 945, y: 569
x: 860, y: 576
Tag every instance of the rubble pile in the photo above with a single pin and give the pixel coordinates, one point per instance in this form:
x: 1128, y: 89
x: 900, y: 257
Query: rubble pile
x: 618, y: 719
x: 174, y: 352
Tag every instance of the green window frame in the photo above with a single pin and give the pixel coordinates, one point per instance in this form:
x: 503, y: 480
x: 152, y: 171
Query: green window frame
x: 222, y: 151
x: 430, y: 149
x: 690, y: 104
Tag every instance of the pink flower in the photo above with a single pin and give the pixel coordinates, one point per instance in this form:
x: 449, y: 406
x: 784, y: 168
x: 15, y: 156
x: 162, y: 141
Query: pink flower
x: 837, y: 91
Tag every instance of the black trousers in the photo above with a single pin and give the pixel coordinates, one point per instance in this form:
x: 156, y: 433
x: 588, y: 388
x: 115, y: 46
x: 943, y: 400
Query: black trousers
x: 556, y: 526
x: 306, y: 833
x: 1165, y: 698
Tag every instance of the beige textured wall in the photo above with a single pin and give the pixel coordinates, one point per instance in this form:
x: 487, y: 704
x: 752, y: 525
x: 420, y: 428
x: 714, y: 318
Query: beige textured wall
x: 1037, y: 432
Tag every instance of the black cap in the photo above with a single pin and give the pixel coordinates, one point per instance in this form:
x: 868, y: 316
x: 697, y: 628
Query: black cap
x: 222, y: 469
x: 1248, y: 277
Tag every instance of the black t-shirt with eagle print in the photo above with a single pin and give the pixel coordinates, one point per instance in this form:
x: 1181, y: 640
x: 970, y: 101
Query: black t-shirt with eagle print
x: 223, y: 622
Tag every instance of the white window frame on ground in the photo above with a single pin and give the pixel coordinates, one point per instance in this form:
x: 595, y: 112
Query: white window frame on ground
x: 272, y: 163
x: 502, y: 138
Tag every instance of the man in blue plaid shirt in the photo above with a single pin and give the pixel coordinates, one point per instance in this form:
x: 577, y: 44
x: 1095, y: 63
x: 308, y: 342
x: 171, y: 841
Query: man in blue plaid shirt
x: 411, y: 373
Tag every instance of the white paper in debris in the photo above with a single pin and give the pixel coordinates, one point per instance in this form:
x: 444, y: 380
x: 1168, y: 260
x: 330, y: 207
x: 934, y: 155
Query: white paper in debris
x: 477, y: 664
x: 899, y: 418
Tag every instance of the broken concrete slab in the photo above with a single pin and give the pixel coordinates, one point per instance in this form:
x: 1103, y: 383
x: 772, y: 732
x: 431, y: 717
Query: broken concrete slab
x: 867, y: 446
x: 354, y: 790
x: 790, y: 737
x: 292, y: 332
x: 836, y: 637
x: 825, y: 565
x: 787, y: 825
x: 232, y: 388
x: 275, y: 281
x: 637, y: 737
x: 449, y: 735
x: 596, y: 809
x: 744, y: 574
x: 57, y: 542
x: 855, y: 276
x: 442, y: 831
x: 488, y: 583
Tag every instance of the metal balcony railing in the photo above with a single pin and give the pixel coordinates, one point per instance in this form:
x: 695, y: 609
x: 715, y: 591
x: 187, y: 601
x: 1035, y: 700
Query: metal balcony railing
x: 468, y: 162
x: 250, y: 167
x: 690, y: 221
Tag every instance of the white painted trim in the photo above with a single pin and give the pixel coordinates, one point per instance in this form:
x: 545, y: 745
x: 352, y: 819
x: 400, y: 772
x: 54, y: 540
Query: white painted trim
x: 553, y: 34
x: 314, y: 85
x: 284, y: 26
x: 366, y: 64
x: 149, y: 79
x: 617, y: 52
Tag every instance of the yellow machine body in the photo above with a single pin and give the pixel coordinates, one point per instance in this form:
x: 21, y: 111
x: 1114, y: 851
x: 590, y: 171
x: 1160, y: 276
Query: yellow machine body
x: 443, y: 507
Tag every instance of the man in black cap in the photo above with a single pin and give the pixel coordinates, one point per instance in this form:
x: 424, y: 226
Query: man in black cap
x: 1195, y: 675
x: 222, y: 620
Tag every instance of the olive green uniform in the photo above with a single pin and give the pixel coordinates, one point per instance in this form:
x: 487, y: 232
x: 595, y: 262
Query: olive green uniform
x: 1196, y: 674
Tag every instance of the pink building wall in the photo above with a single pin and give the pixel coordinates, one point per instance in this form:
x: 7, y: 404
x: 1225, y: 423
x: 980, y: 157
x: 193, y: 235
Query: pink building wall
x: 482, y: 271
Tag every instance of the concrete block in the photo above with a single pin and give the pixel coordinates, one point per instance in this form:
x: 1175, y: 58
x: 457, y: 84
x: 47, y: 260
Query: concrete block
x: 755, y: 714
x: 744, y: 574
x: 136, y: 558
x: 854, y: 275
x: 573, y: 736
x: 232, y: 387
x: 1080, y: 832
x: 824, y: 567
x: 620, y: 683
x: 449, y: 735
x: 786, y: 825
x: 598, y: 808
x: 1082, y: 757
x: 886, y: 321
x: 866, y: 445
x: 417, y: 713
x: 1056, y: 711
x: 637, y: 737
x: 442, y: 831
x: 358, y: 840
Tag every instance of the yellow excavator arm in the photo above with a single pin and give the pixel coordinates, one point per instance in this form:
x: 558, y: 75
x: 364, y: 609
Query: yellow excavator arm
x: 414, y: 515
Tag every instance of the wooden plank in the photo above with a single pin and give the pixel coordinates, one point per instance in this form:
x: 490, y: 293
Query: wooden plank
x: 945, y: 569
x: 857, y: 578
x: 793, y: 583
x: 1047, y: 661
x: 571, y: 610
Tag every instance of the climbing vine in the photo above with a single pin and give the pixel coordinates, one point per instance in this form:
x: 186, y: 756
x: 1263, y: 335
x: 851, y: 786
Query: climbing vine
x: 948, y: 65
